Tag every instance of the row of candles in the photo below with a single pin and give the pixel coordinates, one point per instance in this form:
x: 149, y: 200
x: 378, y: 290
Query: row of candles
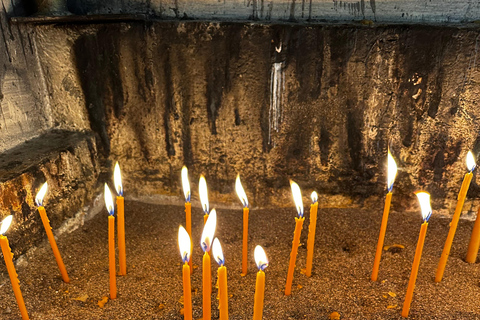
x: 212, y: 246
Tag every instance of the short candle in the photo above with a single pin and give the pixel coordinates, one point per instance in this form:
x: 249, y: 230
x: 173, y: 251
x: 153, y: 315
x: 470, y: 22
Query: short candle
x: 111, y: 242
x: 184, y: 242
x: 311, y: 233
x: 222, y: 279
x: 262, y: 263
x: 206, y: 242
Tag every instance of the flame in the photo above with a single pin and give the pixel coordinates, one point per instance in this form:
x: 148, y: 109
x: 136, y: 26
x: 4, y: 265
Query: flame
x: 202, y: 190
x: 218, y: 252
x: 392, y: 170
x: 109, y: 200
x: 209, y: 231
x: 184, y: 244
x: 41, y: 194
x: 314, y: 196
x: 260, y: 258
x: 117, y: 178
x: 470, y: 161
x: 185, y: 184
x: 297, y: 197
x: 5, y: 224
x: 424, y: 199
x: 241, y: 192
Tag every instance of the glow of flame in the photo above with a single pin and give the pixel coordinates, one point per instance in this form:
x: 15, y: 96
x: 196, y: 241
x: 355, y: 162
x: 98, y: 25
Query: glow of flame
x: 41, y: 195
x: 424, y: 199
x: 260, y: 258
x: 297, y: 197
x: 218, y: 252
x: 184, y: 244
x: 5, y: 224
x: 108, y: 200
x: 241, y: 192
x: 202, y: 190
x: 392, y: 170
x: 209, y: 231
x: 185, y: 184
x: 470, y: 161
x: 117, y: 179
x: 314, y: 196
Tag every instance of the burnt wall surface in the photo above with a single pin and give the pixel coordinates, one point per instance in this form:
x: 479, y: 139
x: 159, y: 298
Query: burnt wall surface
x: 319, y: 104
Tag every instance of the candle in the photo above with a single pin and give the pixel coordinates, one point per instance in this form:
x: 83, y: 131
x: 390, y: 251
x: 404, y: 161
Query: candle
x: 222, y: 279
x: 122, y: 257
x: 111, y: 242
x: 392, y: 172
x: 297, y: 197
x: 262, y: 263
x: 311, y: 233
x: 474, y: 244
x: 243, y: 198
x: 424, y: 199
x: 185, y: 245
x: 188, y: 209
x: 8, y: 257
x: 205, y: 242
x: 48, y: 230
x: 202, y: 190
x: 456, y: 216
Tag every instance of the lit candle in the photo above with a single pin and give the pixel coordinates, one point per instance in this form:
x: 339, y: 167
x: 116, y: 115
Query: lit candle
x: 48, y: 230
x: 8, y: 256
x: 297, y: 197
x: 184, y: 243
x: 202, y: 190
x: 311, y: 233
x: 474, y: 244
x: 243, y: 198
x: 262, y: 263
x: 456, y: 216
x: 188, y: 208
x: 122, y: 256
x: 111, y: 242
x: 392, y: 172
x: 222, y: 280
x: 424, y: 199
x: 206, y: 242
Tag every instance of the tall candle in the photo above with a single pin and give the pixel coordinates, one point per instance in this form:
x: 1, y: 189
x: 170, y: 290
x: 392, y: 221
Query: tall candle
x: 122, y: 256
x: 48, y: 231
x: 262, y: 263
x: 311, y: 233
x: 243, y: 198
x: 297, y: 196
x: 424, y: 199
x: 456, y: 217
x: 205, y: 242
x: 222, y: 280
x: 474, y: 244
x: 185, y: 242
x: 188, y: 209
x: 202, y: 190
x: 8, y: 257
x: 111, y: 242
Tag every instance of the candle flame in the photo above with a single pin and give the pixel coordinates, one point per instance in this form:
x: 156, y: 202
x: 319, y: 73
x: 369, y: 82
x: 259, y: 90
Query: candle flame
x: 41, y: 195
x: 209, y: 231
x: 314, y: 196
x: 184, y: 244
x: 117, y: 179
x: 185, y: 184
x: 470, y: 161
x: 218, y: 252
x: 260, y: 258
x: 297, y: 197
x: 424, y: 199
x: 392, y: 170
x: 108, y: 200
x: 202, y: 190
x: 5, y: 224
x: 240, y: 191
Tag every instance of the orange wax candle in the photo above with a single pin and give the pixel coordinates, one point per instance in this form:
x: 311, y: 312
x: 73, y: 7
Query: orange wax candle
x: 187, y: 293
x: 381, y: 237
x: 205, y: 218
x: 223, y: 292
x: 293, y: 254
x: 111, y: 256
x: 311, y: 234
x: 122, y: 257
x: 262, y: 263
x: 453, y: 226
x: 8, y: 256
x: 474, y: 244
x: 188, y: 222
x: 207, y: 287
x: 53, y: 244
x: 246, y: 210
